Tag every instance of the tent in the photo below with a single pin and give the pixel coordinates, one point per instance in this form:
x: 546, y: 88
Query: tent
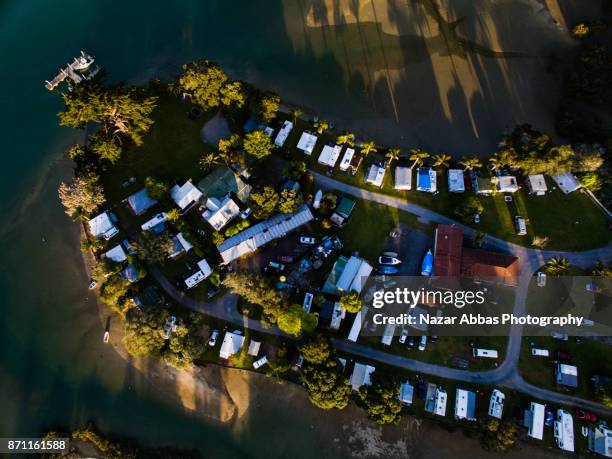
x: 403, y: 178
x: 329, y: 155
x: 427, y: 180
x: 456, y: 183
x: 307, y: 142
x: 140, y: 202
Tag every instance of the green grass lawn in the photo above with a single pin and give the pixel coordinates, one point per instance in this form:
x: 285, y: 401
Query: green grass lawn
x: 571, y: 222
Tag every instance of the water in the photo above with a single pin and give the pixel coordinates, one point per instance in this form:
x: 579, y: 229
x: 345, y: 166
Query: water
x: 54, y: 370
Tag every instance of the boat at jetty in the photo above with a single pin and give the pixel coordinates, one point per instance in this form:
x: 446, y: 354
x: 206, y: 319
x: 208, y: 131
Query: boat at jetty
x: 78, y: 70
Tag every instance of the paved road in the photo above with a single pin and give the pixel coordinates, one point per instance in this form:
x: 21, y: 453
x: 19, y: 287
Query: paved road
x: 506, y: 375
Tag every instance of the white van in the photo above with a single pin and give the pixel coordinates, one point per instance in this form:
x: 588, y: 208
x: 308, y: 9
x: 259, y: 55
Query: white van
x: 540, y: 352
x: 485, y: 353
x: 521, y: 225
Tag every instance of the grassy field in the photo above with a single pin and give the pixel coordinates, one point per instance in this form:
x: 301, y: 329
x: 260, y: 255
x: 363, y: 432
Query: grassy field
x: 555, y: 215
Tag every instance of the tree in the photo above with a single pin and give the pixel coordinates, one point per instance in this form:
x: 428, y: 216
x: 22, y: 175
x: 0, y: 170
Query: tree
x: 256, y: 290
x: 540, y: 241
x: 233, y: 95
x: 321, y: 126
x: 498, y: 436
x: 589, y: 158
x: 295, y: 169
x: 368, y: 147
x: 392, y: 155
x: 143, y: 331
x: 173, y: 215
x: 317, y: 350
x: 470, y: 163
x: 381, y: 399
x: 156, y: 189
x: 602, y: 270
x: 290, y: 201
x: 82, y: 196
x: 258, y: 144
x: 230, y: 145
x: 326, y: 386
x: 295, y: 114
x: 153, y: 248
x: 184, y: 345
x: 441, y: 160
x: 202, y: 81
x: 105, y: 147
x: 114, y: 290
x: 469, y: 208
x: 91, y: 244
x: 295, y: 321
x: 591, y: 181
x: 208, y: 161
x: 264, y: 202
x: 417, y: 156
x: 557, y: 266
x: 269, y: 104
x: 580, y: 30
x: 351, y: 302
x: 346, y: 139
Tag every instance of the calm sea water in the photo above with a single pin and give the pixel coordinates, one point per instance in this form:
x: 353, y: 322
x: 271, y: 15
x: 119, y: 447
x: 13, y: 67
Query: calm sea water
x: 53, y: 368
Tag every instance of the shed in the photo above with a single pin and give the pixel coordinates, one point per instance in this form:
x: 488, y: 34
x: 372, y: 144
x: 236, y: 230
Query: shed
x: 403, y: 178
x: 329, y: 155
x: 456, y: 182
x: 537, y: 185
x: 567, y: 182
x: 427, y: 180
x: 307, y: 142
x: 375, y: 175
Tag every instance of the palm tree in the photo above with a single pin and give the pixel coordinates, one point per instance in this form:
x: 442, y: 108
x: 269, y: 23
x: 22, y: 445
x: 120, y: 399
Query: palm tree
x: 470, y: 163
x: 557, y: 266
x: 368, y: 147
x: 392, y: 155
x: 495, y: 162
x: 346, y: 139
x: 296, y: 113
x: 441, y: 160
x: 321, y: 126
x: 209, y: 160
x: 417, y: 155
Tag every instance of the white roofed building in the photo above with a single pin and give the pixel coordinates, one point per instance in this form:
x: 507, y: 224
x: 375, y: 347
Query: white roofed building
x: 219, y: 213
x: 439, y: 408
x: 329, y: 155
x: 153, y: 222
x: 375, y: 175
x: 456, y: 182
x: 537, y: 185
x: 534, y: 420
x: 600, y: 440
x: 496, y: 404
x: 357, y: 323
x: 361, y: 375
x: 567, y: 375
x: 354, y: 276
x: 563, y: 429
x: 102, y: 226
x: 282, y: 135
x: 307, y: 142
x: 403, y: 178
x: 346, y: 159
x: 186, y: 195
x: 232, y: 343
x: 567, y: 182
x: 406, y: 393
x: 116, y: 254
x: 465, y: 405
x: 197, y: 277
x: 506, y: 184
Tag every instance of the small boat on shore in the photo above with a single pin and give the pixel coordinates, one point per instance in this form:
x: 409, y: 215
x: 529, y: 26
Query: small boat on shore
x: 106, y: 337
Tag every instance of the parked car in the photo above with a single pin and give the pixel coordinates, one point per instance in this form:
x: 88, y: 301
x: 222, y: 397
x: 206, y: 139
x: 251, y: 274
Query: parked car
x: 549, y: 418
x: 92, y: 284
x: 384, y: 260
x: 403, y: 336
x: 585, y: 415
x: 411, y: 341
x: 423, y: 343
x: 213, y: 338
x: 561, y: 355
x: 386, y: 269
x: 308, y: 240
x: 560, y: 336
x: 276, y: 265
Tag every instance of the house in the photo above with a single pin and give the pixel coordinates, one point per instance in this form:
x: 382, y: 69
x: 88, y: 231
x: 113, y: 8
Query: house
x: 354, y: 276
x: 102, y: 226
x: 224, y: 181
x: 483, y: 185
x: 496, y: 404
x: 427, y: 180
x: 376, y: 175
x: 465, y: 405
x: 282, y: 135
x: 180, y: 245
x: 534, y: 420
x: 232, y: 343
x: 536, y: 184
x: 506, y: 184
x: 249, y: 240
x: 567, y: 182
x: 197, y: 277
x: 329, y: 155
x: 456, y: 182
x: 600, y: 440
x: 567, y: 375
x: 155, y: 224
x: 406, y: 393
x: 219, y: 213
x: 343, y: 211
x: 140, y: 202
x: 307, y: 142
x: 185, y: 196
x: 346, y: 159
x: 563, y: 429
x: 116, y: 254
x: 361, y: 375
x: 403, y: 178
x: 357, y: 323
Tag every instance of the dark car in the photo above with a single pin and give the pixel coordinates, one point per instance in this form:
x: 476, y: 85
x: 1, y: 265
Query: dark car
x: 585, y: 415
x: 410, y: 342
x: 549, y: 419
x: 566, y: 356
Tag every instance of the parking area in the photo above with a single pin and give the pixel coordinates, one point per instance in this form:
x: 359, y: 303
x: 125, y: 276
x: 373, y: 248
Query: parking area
x: 410, y: 244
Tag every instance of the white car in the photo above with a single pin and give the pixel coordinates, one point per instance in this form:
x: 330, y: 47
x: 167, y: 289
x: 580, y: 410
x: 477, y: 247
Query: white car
x: 261, y: 362
x: 423, y: 343
x: 307, y: 240
x: 403, y: 336
x: 213, y: 338
x: 561, y: 336
x: 385, y: 260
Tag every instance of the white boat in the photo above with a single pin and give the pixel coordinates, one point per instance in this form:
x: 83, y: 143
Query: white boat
x: 106, y: 336
x: 82, y: 62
